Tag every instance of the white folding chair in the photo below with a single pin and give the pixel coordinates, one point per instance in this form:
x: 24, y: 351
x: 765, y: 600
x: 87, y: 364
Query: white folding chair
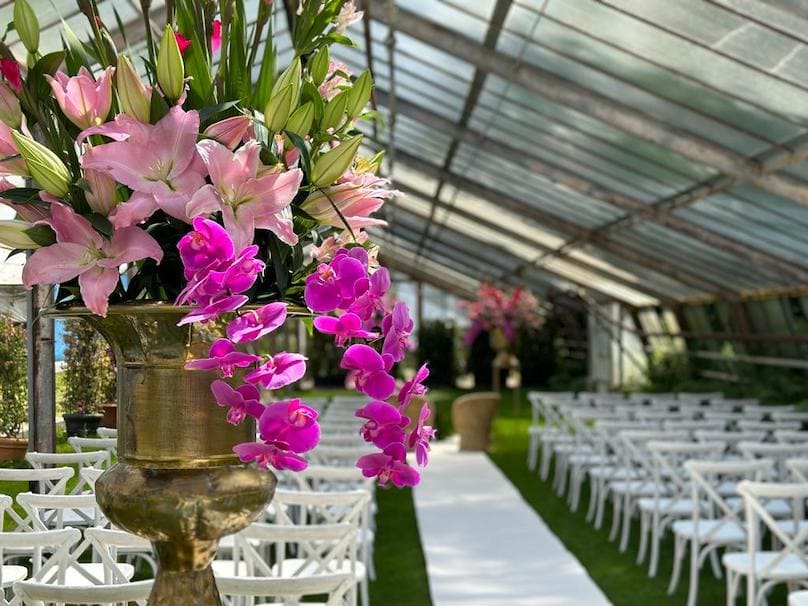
x: 80, y: 460
x: 672, y: 499
x: 339, y: 455
x: 111, y: 543
x: 730, y: 438
x: 791, y: 437
x: 58, y: 511
x: 769, y: 426
x: 107, y: 432
x: 336, y: 588
x: 49, y: 481
x: 798, y: 598
x: 50, y: 553
x: 764, y: 569
x: 778, y: 453
x: 31, y: 593
x: 9, y: 573
x: 80, y: 444
x: 719, y: 523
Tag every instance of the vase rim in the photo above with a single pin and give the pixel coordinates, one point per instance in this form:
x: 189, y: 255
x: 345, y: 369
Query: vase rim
x: 151, y: 307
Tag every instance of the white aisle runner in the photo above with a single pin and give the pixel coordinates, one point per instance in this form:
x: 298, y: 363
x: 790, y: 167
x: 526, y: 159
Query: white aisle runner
x: 485, y: 546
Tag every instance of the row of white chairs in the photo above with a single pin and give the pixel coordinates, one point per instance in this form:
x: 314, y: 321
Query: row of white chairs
x: 679, y: 470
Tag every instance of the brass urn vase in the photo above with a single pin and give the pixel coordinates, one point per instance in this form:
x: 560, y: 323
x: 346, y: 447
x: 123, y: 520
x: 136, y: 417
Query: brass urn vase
x: 177, y: 481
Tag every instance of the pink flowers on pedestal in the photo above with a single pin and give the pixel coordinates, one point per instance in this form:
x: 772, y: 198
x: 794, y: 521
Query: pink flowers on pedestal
x: 346, y: 286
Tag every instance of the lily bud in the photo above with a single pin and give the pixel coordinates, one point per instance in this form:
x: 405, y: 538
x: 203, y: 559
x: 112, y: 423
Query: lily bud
x: 27, y: 25
x: 331, y: 165
x: 231, y: 131
x: 103, y: 193
x: 359, y: 95
x: 301, y: 119
x: 84, y: 100
x: 278, y: 109
x: 10, y: 113
x: 290, y: 77
x: 133, y: 95
x: 170, y: 67
x: 318, y: 66
x: 334, y: 113
x: 13, y: 235
x: 45, y: 167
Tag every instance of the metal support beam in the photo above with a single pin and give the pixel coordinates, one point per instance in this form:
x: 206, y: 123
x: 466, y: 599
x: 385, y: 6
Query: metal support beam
x: 397, y: 262
x: 569, y: 229
x: 41, y: 378
x: 437, y: 203
x: 590, y: 103
x: 626, y: 203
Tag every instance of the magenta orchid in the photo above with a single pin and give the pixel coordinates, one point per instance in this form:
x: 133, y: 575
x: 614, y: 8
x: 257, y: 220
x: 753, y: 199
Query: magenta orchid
x: 371, y: 368
x: 413, y: 387
x: 254, y: 324
x: 292, y: 423
x: 224, y: 358
x: 83, y: 99
x: 369, y: 294
x: 385, y: 424
x: 344, y: 328
x: 278, y: 371
x: 270, y: 455
x: 334, y: 283
x: 421, y: 436
x: 209, y: 245
x: 82, y: 252
x: 242, y: 401
x: 389, y: 466
x: 397, y: 328
x: 248, y: 194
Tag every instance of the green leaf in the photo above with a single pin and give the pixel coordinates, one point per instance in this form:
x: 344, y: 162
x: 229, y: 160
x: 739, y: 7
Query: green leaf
x: 238, y: 72
x: 159, y: 108
x: 101, y: 223
x: 22, y: 194
x: 266, y: 75
x: 277, y: 257
x: 305, y: 156
x: 41, y: 234
x: 213, y: 111
x: 310, y: 94
x: 197, y: 64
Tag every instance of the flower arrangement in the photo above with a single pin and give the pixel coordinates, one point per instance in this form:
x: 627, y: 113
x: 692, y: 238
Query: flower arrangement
x: 497, y: 309
x: 204, y: 183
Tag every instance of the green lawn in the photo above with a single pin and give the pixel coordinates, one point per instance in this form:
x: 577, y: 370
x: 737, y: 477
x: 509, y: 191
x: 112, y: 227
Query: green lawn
x: 623, y: 581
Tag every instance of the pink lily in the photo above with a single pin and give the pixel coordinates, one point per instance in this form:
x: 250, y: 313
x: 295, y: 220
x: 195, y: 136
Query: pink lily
x: 278, y: 371
x: 389, y: 466
x: 224, y: 358
x: 248, y: 193
x: 421, y: 436
x: 348, y: 15
x: 384, y: 425
x: 346, y: 327
x: 355, y: 196
x: 103, y: 193
x: 81, y: 251
x: 413, y: 387
x: 83, y: 99
x: 11, y: 162
x: 397, y: 327
x: 292, y: 423
x: 242, y: 401
x: 157, y: 161
x: 372, y: 376
x: 270, y: 455
x: 254, y: 324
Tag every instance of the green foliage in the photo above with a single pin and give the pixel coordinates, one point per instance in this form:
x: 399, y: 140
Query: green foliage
x: 481, y: 356
x: 668, y: 370
x: 13, y: 378
x: 89, y: 376
x: 323, y: 361
x: 436, y: 345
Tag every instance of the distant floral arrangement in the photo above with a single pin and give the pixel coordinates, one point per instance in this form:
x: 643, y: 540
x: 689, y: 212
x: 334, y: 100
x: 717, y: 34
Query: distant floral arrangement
x: 208, y: 184
x: 508, y: 311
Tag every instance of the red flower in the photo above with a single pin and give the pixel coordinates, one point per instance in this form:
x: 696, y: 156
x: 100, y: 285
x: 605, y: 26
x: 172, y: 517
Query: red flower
x: 182, y: 42
x: 10, y: 70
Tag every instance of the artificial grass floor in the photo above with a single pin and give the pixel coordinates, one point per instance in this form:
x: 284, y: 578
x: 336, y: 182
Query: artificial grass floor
x: 623, y: 581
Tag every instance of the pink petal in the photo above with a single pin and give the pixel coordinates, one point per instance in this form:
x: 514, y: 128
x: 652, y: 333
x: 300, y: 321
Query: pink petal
x: 96, y: 285
x: 136, y: 209
x: 54, y: 264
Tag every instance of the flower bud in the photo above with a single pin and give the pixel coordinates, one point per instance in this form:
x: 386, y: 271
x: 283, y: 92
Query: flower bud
x: 290, y: 77
x: 231, y: 131
x: 10, y: 113
x: 331, y: 165
x: 278, y: 109
x: 45, y: 167
x: 84, y: 100
x: 134, y: 97
x: 27, y: 25
x: 301, y: 119
x: 334, y: 113
x: 170, y: 67
x: 103, y: 191
x: 359, y: 95
x: 13, y: 235
x: 318, y: 66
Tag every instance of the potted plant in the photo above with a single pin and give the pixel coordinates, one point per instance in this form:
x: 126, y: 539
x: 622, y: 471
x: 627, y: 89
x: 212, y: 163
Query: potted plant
x: 84, y: 371
x: 13, y: 390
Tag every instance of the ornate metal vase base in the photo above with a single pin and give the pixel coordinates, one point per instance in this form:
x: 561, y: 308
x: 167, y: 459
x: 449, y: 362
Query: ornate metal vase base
x: 177, y: 482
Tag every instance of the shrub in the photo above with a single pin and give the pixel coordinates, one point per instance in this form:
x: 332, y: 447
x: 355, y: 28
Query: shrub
x: 436, y: 345
x: 89, y: 369
x: 13, y: 378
